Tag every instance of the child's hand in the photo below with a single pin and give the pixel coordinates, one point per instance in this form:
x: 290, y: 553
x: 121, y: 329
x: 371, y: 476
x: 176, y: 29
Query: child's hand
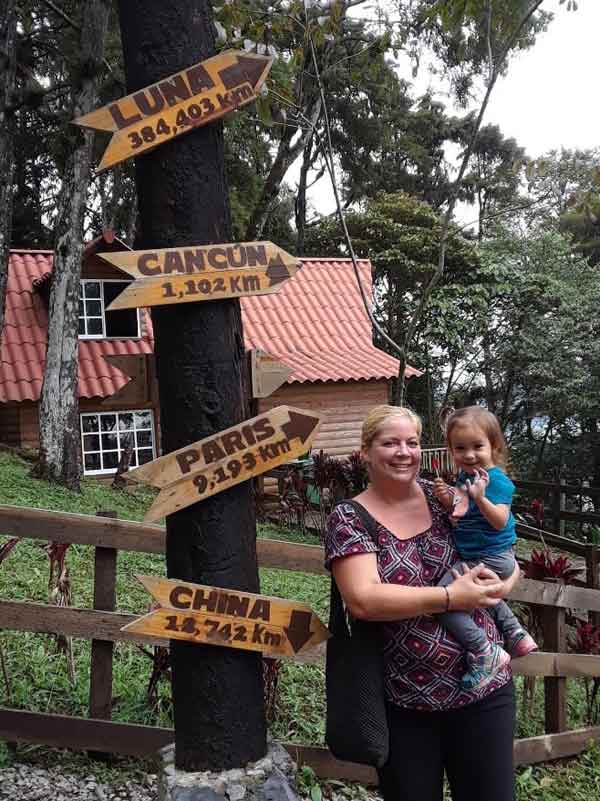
x: 442, y: 492
x: 477, y: 485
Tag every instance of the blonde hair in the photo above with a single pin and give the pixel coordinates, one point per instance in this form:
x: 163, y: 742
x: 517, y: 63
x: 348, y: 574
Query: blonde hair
x: 488, y: 423
x: 379, y: 415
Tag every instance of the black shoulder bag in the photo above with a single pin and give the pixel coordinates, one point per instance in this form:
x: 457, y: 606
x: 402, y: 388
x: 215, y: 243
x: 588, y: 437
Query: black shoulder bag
x: 356, y: 723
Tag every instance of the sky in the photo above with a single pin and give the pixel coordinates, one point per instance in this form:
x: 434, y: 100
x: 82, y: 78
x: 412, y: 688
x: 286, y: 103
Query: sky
x: 548, y: 98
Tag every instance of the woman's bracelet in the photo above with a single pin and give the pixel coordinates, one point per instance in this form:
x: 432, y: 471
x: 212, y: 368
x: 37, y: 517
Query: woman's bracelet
x: 447, y: 600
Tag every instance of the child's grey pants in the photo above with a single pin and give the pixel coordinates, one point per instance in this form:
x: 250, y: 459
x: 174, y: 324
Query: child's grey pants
x: 461, y: 624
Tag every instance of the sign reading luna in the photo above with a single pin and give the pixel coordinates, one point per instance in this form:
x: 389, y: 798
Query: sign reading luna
x: 225, y: 459
x: 217, y: 616
x: 209, y: 272
x: 195, y: 96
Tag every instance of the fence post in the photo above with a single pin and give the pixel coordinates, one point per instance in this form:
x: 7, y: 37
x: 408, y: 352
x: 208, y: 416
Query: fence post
x: 101, y: 670
x: 592, y: 563
x: 555, y: 689
x: 559, y: 500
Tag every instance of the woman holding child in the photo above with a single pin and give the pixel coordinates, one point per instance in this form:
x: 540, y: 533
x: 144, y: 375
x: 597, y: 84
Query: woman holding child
x: 449, y: 710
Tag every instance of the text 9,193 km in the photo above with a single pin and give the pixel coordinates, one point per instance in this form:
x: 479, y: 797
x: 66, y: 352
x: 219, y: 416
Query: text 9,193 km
x: 248, y: 462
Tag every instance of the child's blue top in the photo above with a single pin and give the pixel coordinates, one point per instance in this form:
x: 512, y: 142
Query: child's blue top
x: 475, y: 537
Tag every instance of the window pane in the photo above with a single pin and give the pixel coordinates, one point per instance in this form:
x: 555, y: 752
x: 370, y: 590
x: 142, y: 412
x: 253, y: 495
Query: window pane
x: 143, y: 420
x: 126, y: 422
x: 110, y: 460
x: 144, y: 455
x: 91, y: 289
x: 91, y: 442
x: 122, y: 323
x: 94, y: 326
x: 89, y: 422
x: 81, y: 307
x: 134, y: 461
x: 108, y: 422
x: 92, y: 461
x: 144, y: 439
x: 109, y: 442
x: 81, y: 327
x: 93, y: 308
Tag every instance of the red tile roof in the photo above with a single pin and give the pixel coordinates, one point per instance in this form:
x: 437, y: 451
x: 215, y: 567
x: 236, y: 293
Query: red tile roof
x: 316, y: 323
x: 24, y: 338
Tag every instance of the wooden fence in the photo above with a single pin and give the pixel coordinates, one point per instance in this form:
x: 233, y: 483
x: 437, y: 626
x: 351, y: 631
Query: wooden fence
x: 103, y: 625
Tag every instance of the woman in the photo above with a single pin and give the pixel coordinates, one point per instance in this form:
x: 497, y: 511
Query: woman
x: 435, y: 725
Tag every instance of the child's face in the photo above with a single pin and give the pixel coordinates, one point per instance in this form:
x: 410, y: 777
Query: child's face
x: 470, y: 448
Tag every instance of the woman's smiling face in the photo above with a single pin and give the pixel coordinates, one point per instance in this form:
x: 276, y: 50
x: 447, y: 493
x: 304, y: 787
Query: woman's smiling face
x: 395, y: 452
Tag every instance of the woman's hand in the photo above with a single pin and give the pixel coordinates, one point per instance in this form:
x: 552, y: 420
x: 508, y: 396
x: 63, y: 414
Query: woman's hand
x: 508, y: 584
x: 475, y: 589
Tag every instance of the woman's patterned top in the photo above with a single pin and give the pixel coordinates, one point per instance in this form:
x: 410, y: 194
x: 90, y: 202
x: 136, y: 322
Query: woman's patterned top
x: 423, y: 663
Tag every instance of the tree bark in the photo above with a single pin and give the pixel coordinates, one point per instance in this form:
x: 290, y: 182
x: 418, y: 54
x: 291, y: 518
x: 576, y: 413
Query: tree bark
x: 201, y: 366
x: 286, y: 155
x: 8, y: 61
x: 60, y: 441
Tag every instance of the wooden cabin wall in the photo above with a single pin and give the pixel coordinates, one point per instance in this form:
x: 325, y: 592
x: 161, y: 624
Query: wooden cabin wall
x: 344, y: 405
x: 10, y: 433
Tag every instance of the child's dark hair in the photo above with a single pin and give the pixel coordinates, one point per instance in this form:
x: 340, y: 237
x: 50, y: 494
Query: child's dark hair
x: 488, y: 423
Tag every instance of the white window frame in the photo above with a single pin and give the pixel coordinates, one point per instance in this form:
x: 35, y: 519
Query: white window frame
x: 84, y: 316
x: 110, y: 470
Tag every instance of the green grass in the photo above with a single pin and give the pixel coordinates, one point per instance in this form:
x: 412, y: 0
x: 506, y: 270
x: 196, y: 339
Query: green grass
x: 40, y: 679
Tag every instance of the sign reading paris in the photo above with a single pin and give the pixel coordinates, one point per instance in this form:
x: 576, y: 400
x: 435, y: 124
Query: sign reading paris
x: 223, y: 460
x: 194, y: 273
x: 195, y: 96
x: 226, y: 617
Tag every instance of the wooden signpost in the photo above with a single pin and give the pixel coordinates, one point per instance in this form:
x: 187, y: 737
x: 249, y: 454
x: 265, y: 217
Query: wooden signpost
x: 209, y: 272
x: 195, y: 96
x: 268, y: 373
x: 225, y: 459
x: 231, y: 618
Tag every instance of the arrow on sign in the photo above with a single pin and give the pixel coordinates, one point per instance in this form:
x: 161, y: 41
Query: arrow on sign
x: 231, y: 618
x: 298, y: 632
x: 175, y: 105
x: 225, y: 459
x: 209, y: 272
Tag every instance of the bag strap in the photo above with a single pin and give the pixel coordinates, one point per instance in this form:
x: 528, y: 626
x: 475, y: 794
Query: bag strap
x: 366, y: 518
x: 339, y: 619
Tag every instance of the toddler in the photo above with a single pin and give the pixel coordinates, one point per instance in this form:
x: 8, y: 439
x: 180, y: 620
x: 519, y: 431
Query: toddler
x: 485, y: 533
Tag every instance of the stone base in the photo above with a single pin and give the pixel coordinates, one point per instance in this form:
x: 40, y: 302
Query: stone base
x: 269, y: 779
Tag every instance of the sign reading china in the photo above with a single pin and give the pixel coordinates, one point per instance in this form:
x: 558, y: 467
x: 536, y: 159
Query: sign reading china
x: 216, y: 616
x: 208, y: 272
x: 218, y: 462
x: 195, y: 96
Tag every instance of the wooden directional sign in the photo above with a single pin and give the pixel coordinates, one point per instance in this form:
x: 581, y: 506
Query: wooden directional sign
x: 195, y: 96
x: 237, y: 454
x: 216, y: 616
x: 208, y: 272
x: 268, y: 373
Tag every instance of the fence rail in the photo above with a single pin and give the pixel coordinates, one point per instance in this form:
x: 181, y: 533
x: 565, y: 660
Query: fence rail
x: 103, y: 626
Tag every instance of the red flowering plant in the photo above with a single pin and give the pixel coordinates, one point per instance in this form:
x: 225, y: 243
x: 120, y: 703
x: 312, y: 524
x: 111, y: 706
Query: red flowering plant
x: 544, y: 566
x: 586, y: 640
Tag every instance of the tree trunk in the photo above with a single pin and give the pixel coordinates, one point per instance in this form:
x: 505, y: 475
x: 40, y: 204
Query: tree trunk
x: 300, y: 205
x: 60, y: 441
x: 286, y: 155
x: 202, y: 377
x: 8, y: 21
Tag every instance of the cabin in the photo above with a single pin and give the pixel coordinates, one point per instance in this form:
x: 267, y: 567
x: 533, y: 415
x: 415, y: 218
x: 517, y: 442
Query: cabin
x: 316, y: 324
